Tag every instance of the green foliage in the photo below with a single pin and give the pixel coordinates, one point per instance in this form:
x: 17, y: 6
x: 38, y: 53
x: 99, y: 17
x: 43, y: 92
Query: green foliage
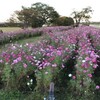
x: 11, y: 25
x: 44, y: 13
x: 44, y: 77
x: 24, y: 78
x: 83, y: 15
x: 11, y: 95
x: 37, y: 15
x: 64, y: 21
x: 25, y: 16
x: 8, y: 78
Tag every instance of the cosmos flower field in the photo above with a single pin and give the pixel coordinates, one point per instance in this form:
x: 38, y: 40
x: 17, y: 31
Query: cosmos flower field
x: 70, y: 57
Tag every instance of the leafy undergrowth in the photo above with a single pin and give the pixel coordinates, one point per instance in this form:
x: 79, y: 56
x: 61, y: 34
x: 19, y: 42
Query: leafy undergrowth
x: 22, y: 42
x: 68, y: 57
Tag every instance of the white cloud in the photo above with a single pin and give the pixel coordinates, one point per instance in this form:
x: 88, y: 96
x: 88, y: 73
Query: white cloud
x: 64, y: 7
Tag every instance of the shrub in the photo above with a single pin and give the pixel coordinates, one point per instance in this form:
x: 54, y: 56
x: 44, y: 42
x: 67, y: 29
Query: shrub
x: 64, y: 21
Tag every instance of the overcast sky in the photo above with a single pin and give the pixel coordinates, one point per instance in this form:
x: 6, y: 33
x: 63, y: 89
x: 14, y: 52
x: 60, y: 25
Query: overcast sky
x: 63, y: 7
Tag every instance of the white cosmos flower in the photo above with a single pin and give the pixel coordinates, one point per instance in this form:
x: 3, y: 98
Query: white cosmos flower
x: 83, y: 61
x: 26, y: 44
x: 21, y: 46
x: 70, y: 75
x: 31, y: 80
x: 44, y: 98
x: 28, y: 83
x: 34, y: 57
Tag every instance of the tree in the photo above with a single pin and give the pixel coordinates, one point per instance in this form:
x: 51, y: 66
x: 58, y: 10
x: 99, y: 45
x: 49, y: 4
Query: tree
x: 13, y: 19
x: 45, y: 13
x: 37, y: 15
x: 83, y: 15
x: 25, y: 16
x: 64, y: 21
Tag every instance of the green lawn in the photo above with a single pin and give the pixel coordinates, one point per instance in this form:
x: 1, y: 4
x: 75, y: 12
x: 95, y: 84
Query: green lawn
x: 95, y: 25
x: 30, y: 40
x: 22, y: 42
x: 9, y: 29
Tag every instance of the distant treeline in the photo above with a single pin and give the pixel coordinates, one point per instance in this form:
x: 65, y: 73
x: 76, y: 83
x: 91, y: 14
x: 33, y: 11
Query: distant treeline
x: 90, y: 23
x: 7, y: 24
x: 95, y: 23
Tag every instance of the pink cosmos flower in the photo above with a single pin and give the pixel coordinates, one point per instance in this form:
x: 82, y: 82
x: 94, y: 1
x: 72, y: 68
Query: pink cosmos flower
x: 59, y: 53
x: 94, y: 60
x: 1, y: 61
x: 15, y: 61
x: 54, y: 65
x: 84, y: 71
x: 48, y: 54
x: 14, y: 55
x: 92, y: 54
x: 24, y: 65
x: 90, y: 75
x: 74, y: 77
x: 95, y: 66
x: 7, y: 59
x: 97, y: 87
x: 67, y: 49
x: 87, y: 58
x: 63, y: 66
x: 19, y: 58
x: 52, y: 58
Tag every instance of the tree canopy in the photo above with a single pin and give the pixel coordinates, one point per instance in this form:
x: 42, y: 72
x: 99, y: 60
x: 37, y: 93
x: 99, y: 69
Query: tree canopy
x: 64, y: 21
x: 25, y: 16
x: 37, y: 15
x: 83, y: 15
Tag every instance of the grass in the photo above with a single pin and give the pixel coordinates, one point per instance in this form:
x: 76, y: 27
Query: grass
x: 22, y: 42
x: 30, y: 40
x: 95, y: 25
x: 10, y: 29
